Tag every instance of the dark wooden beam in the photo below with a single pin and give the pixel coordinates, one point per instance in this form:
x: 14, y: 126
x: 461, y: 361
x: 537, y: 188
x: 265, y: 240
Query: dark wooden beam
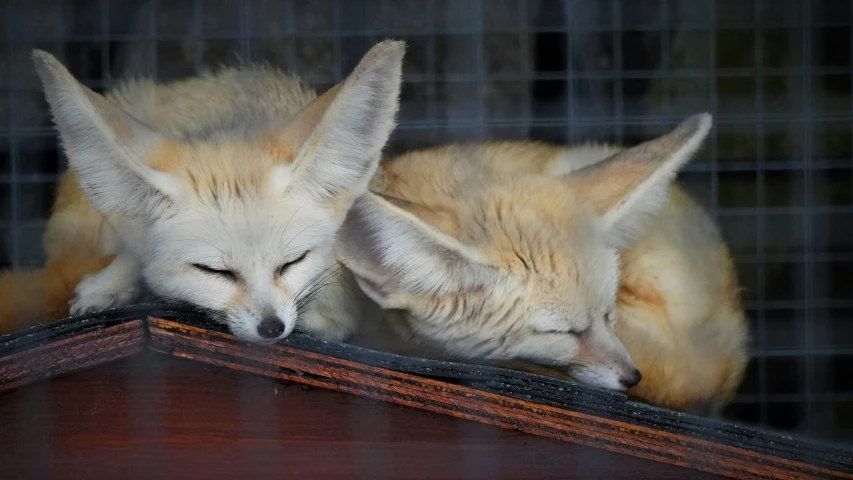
x: 520, y: 401
x: 66, y: 351
x: 158, y: 416
x: 292, y: 364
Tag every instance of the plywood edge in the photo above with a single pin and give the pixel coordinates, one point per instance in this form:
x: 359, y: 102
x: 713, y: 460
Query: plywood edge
x: 515, y: 400
x: 65, y: 354
x: 324, y: 371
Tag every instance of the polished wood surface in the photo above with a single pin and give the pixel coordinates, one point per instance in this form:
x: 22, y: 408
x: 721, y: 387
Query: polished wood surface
x: 154, y: 412
x: 658, y: 444
x: 153, y: 416
x: 71, y: 353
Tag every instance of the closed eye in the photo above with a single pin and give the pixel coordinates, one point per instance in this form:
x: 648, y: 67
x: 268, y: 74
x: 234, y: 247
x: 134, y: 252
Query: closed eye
x: 577, y: 332
x: 229, y: 274
x: 574, y: 332
x: 283, y: 268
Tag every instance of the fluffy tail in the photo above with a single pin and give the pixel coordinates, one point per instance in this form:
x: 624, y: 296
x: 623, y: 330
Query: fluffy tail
x: 31, y: 297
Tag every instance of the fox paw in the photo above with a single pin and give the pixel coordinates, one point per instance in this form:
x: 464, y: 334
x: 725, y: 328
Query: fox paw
x: 95, y: 293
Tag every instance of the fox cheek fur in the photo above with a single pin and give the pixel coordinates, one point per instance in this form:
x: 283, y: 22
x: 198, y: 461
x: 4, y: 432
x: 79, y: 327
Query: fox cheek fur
x: 225, y: 191
x: 583, y: 228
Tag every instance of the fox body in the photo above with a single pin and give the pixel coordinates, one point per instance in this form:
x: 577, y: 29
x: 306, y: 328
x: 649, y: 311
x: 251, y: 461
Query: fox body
x: 227, y: 192
x: 586, y: 261
x: 224, y: 191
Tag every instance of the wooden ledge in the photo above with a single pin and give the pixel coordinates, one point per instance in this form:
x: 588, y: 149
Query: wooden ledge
x: 521, y: 401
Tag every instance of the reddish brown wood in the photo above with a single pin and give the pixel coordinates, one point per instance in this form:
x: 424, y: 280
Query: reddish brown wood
x: 154, y: 416
x: 79, y: 344
x: 462, y: 402
x: 72, y: 353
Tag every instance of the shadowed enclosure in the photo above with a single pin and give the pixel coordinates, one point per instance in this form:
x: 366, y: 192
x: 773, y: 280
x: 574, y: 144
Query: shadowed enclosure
x: 776, y: 171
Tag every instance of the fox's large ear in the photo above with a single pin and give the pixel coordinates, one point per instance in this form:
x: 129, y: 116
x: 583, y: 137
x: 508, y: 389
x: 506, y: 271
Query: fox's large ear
x: 394, y: 254
x: 106, y: 147
x: 634, y: 182
x: 340, y: 135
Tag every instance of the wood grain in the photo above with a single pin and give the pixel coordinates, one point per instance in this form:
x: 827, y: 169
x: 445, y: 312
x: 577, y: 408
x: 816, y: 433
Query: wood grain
x: 154, y: 416
x: 615, y: 429
x: 619, y: 437
x: 71, y: 353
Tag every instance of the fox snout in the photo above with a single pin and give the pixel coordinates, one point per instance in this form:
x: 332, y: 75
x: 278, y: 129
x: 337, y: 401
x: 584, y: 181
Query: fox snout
x: 630, y: 378
x: 271, y: 327
x: 612, y: 375
x: 603, y: 361
x: 263, y: 324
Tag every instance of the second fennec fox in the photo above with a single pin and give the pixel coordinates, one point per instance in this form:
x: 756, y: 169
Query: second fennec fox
x: 224, y: 191
x: 586, y: 260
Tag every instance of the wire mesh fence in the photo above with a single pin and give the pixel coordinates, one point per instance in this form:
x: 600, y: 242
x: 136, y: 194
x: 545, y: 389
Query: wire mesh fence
x: 776, y: 172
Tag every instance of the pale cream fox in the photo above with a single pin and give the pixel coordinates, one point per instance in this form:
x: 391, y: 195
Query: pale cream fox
x: 224, y: 191
x: 559, y: 257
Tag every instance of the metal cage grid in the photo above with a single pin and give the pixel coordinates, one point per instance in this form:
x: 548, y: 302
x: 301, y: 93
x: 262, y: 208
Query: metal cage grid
x: 777, y: 172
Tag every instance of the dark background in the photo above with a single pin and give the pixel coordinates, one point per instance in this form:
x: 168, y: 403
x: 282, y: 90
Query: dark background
x: 776, y: 171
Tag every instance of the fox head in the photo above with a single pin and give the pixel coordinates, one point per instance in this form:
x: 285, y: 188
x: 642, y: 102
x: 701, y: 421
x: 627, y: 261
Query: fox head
x: 241, y: 224
x: 519, y: 268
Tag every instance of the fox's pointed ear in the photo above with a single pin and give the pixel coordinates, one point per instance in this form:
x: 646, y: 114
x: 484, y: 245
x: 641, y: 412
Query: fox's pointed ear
x: 634, y: 182
x: 395, y: 254
x: 106, y: 147
x: 340, y: 135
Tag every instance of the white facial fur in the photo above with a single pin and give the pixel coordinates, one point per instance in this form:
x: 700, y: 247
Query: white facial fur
x: 470, y: 305
x: 213, y: 221
x: 253, y: 239
x: 536, y: 276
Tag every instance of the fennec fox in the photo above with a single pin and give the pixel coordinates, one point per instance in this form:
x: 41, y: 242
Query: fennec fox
x: 586, y: 260
x: 224, y: 191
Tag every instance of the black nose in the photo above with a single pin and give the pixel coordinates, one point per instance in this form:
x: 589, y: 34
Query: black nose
x: 271, y: 327
x: 631, y: 378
